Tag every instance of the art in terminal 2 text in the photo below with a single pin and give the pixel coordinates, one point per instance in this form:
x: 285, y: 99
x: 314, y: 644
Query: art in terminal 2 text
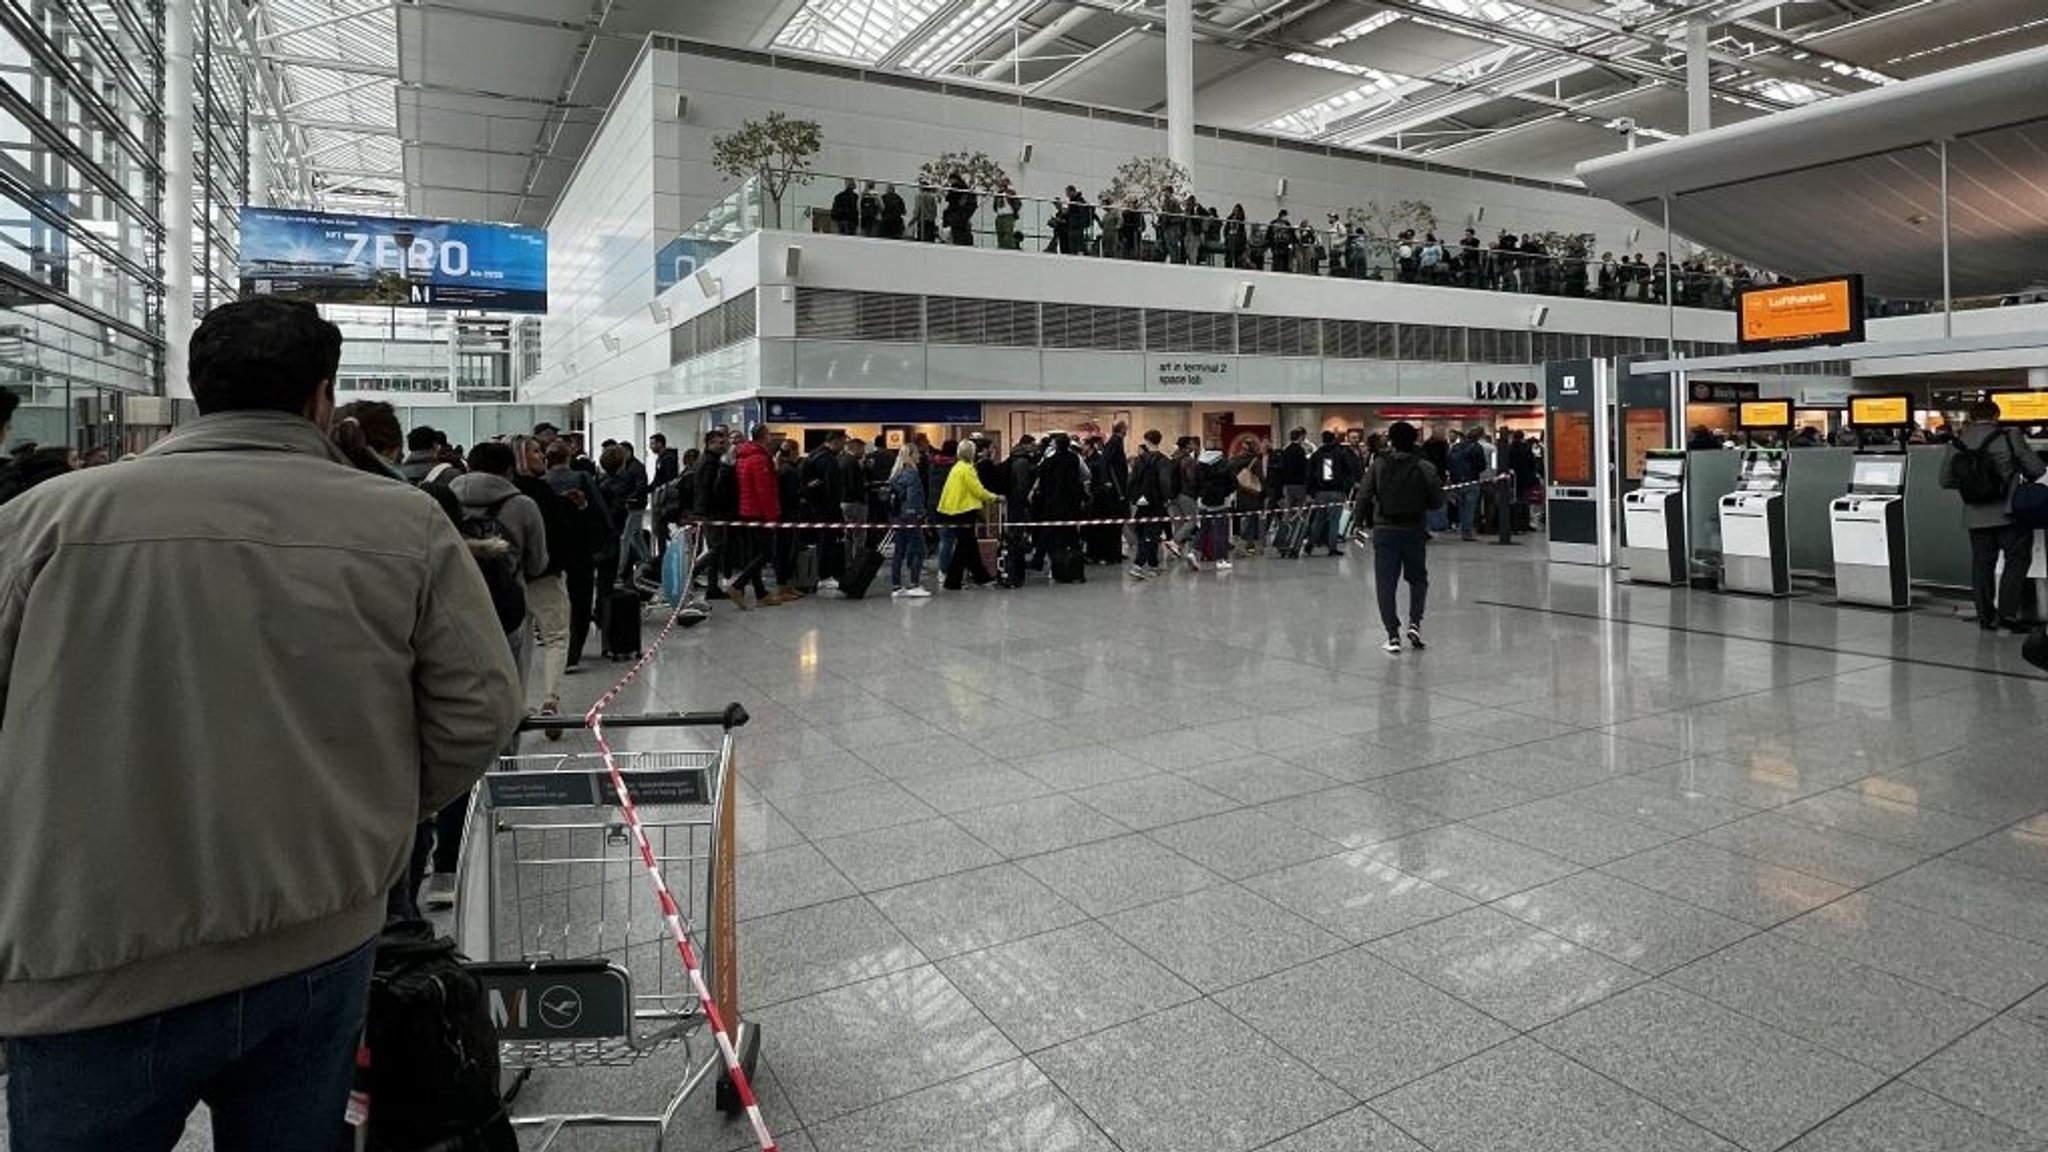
x: 1190, y: 374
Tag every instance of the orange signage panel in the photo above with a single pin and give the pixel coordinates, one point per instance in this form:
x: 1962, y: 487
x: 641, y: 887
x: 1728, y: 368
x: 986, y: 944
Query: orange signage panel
x: 1880, y: 411
x: 1763, y: 414
x: 1571, y: 448
x: 2022, y: 407
x: 1810, y: 312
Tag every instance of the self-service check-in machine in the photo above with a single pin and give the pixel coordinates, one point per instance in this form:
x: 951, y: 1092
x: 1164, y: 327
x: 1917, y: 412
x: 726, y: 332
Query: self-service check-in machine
x: 1755, y: 557
x: 1869, y: 530
x: 1653, y: 523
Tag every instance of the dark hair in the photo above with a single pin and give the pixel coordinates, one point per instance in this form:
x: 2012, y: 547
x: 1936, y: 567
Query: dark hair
x: 612, y: 459
x: 658, y: 438
x: 8, y: 403
x: 379, y: 422
x: 422, y: 439
x: 32, y: 468
x: 1152, y: 437
x: 262, y: 354
x: 558, y: 454
x: 492, y: 458
x: 1297, y: 434
x: 1984, y: 410
x: 348, y: 435
x: 1403, y: 435
x: 1329, y: 437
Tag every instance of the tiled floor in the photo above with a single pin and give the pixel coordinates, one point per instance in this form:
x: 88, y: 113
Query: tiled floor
x: 1191, y: 865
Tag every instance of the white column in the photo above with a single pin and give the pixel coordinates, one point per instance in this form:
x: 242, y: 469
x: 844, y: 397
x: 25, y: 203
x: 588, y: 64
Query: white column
x: 1699, y: 114
x: 1180, y: 82
x: 179, y: 145
x: 2037, y: 378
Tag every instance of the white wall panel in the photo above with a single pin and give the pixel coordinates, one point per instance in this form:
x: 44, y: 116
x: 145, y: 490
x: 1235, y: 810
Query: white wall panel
x: 1360, y: 379
x: 1094, y: 373
x: 836, y: 367
x: 978, y: 372
x: 1277, y: 376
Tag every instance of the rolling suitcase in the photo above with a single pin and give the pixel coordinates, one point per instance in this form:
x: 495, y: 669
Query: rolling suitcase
x: 622, y: 624
x: 1068, y: 567
x: 1012, y: 558
x: 860, y: 573
x: 1287, y: 534
x: 806, y: 580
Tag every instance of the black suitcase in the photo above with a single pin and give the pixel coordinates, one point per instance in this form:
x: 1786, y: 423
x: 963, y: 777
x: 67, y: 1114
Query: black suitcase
x: 1068, y: 567
x: 432, y: 1074
x: 860, y: 574
x: 1288, y: 533
x: 622, y: 624
x: 805, y: 579
x: 1013, y: 556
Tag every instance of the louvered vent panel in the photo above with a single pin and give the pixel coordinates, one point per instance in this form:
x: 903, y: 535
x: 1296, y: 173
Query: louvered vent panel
x: 742, y: 322
x: 953, y: 320
x: 827, y: 314
x: 1011, y: 323
x: 682, y: 341
x: 896, y: 316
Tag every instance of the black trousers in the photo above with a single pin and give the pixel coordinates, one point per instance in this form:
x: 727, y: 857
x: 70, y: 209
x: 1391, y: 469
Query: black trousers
x: 581, y: 574
x: 2007, y: 596
x: 966, y: 557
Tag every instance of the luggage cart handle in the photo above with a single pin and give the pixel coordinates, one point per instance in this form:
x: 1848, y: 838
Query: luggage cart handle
x: 732, y: 716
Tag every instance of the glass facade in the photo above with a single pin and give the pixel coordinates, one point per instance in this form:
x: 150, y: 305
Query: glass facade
x: 81, y: 195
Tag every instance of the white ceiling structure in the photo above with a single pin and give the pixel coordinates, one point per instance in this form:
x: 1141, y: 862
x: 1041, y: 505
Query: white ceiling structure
x: 480, y: 108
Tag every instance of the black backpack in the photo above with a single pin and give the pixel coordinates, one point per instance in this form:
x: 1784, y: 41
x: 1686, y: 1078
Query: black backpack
x: 1403, y: 489
x: 507, y: 585
x: 433, y: 1071
x: 1976, y: 474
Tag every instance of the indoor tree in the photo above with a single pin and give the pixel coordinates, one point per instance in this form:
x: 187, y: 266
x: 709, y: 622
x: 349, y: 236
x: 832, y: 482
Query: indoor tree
x: 778, y: 150
x: 1147, y: 178
x: 980, y: 170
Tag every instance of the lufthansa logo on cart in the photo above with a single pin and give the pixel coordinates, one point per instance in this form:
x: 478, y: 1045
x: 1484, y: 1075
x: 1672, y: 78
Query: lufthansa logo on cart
x: 560, y: 1007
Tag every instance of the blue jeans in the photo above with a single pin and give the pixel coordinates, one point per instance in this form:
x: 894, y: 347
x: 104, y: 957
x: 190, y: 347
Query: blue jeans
x: 1468, y: 512
x: 909, y: 545
x: 1399, y: 553
x: 1322, y: 523
x: 273, y: 1062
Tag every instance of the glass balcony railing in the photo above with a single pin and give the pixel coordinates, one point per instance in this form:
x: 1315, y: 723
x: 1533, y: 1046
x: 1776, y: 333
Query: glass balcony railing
x: 902, y: 211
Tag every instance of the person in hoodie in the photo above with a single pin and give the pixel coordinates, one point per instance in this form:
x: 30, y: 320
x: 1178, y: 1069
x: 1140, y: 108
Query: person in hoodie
x: 1215, y: 492
x: 1330, y: 477
x: 1403, y: 487
x: 2005, y: 454
x: 422, y: 453
x: 488, y: 494
x: 1151, y: 489
x: 760, y: 505
x: 1062, y: 493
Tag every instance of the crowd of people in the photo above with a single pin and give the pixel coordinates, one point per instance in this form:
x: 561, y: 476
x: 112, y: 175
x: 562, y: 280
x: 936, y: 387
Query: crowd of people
x: 1057, y: 503
x: 1180, y: 229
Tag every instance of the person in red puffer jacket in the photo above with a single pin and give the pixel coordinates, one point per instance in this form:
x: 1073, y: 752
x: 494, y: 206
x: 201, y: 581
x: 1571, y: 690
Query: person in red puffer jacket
x: 761, y: 506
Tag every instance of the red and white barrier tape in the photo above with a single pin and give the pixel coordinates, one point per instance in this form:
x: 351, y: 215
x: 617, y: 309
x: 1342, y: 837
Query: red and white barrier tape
x: 843, y: 525
x: 686, y: 949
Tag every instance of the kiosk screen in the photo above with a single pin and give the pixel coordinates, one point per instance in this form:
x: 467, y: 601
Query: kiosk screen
x: 1762, y: 474
x: 1663, y: 473
x: 1879, y: 476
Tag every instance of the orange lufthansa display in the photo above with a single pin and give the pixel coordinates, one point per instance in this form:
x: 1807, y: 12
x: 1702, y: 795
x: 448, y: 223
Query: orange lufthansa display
x: 1763, y: 414
x: 1826, y: 311
x: 1880, y: 411
x: 2022, y: 407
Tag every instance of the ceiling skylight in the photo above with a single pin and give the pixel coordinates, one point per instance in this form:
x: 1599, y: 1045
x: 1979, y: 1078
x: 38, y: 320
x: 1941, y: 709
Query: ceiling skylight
x: 862, y: 30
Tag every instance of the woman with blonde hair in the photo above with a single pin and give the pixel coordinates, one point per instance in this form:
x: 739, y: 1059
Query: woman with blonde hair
x: 960, y: 507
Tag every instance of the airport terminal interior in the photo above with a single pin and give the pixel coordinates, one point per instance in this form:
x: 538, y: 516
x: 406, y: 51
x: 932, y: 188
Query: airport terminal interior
x: 1702, y: 807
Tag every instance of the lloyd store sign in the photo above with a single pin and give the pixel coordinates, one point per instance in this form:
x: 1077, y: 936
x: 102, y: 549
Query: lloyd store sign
x: 1188, y: 373
x: 1508, y: 391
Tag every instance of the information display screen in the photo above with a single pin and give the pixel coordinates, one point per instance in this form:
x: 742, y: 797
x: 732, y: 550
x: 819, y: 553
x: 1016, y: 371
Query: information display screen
x: 2022, y: 407
x: 1663, y: 472
x: 1763, y: 414
x: 1825, y: 311
x: 331, y: 258
x: 1571, y: 449
x: 1880, y: 411
x: 1762, y: 474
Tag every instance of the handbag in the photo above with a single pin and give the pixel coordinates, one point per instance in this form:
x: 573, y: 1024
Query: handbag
x: 2030, y: 505
x: 2034, y: 650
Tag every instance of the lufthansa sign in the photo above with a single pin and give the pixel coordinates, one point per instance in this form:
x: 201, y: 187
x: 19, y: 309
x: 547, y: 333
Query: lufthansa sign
x: 1508, y: 391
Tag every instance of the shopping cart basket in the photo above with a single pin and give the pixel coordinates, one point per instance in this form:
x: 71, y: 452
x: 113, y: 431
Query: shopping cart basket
x: 581, y: 970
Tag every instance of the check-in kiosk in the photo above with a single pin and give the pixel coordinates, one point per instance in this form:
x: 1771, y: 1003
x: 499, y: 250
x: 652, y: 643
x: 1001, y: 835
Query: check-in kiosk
x: 1755, y: 557
x: 1653, y: 523
x: 1869, y: 530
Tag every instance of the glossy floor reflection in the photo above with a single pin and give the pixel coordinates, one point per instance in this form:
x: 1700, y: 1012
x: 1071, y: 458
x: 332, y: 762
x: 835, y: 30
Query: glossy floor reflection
x: 1192, y: 866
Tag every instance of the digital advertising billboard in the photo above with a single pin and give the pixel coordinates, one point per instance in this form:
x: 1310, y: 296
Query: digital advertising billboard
x: 1826, y: 311
x: 336, y: 258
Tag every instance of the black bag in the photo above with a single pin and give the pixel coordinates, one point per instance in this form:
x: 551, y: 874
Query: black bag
x: 1013, y: 557
x: 2034, y: 650
x: 1287, y: 534
x: 432, y: 1079
x: 622, y: 624
x: 805, y: 578
x: 1068, y: 567
x: 860, y: 573
x: 2030, y: 506
x: 1976, y: 475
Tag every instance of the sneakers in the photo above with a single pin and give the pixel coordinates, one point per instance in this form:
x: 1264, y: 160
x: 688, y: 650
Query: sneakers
x: 914, y: 592
x: 1139, y: 572
x: 828, y: 584
x: 1336, y: 551
x: 1392, y: 646
x: 1223, y: 565
x: 438, y: 891
x: 1415, y: 637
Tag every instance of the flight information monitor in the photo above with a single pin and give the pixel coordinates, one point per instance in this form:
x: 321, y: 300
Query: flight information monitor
x: 1763, y: 415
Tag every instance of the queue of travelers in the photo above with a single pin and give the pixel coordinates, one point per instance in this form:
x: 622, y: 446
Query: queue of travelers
x: 1060, y: 503
x: 1178, y: 228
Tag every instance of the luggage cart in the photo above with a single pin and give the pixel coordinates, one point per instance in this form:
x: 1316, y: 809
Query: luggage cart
x: 581, y: 970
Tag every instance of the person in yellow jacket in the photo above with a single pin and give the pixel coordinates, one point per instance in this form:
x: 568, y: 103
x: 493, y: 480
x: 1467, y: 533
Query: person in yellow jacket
x: 959, y: 505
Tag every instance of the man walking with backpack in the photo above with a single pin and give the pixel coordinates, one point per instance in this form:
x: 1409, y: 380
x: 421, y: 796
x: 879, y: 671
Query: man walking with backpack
x: 1404, y: 487
x: 1983, y: 465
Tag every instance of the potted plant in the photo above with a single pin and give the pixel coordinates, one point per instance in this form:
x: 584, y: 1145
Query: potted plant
x: 1147, y: 178
x: 777, y: 151
x: 982, y: 175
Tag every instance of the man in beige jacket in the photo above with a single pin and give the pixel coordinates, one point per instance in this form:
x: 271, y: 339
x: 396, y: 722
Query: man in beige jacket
x: 292, y: 663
